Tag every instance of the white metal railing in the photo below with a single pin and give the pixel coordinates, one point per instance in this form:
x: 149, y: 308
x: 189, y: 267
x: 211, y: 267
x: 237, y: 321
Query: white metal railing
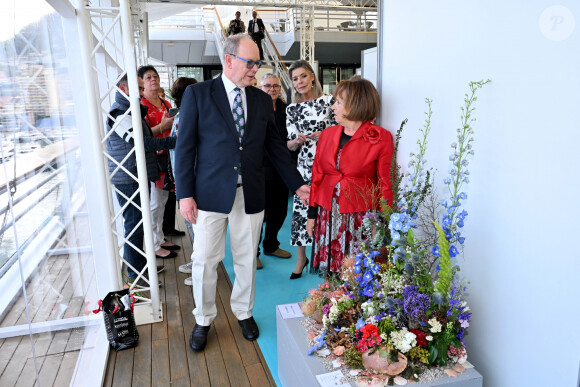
x: 215, y: 30
x: 109, y: 53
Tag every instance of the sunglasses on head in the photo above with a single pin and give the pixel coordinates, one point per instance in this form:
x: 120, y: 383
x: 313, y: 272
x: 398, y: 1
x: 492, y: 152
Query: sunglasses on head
x: 250, y: 63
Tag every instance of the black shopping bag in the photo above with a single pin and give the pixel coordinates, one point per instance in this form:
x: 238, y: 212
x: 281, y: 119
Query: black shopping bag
x: 119, y: 320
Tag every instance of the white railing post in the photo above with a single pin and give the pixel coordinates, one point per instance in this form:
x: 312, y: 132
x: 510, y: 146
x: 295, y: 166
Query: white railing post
x: 108, y: 51
x: 130, y: 64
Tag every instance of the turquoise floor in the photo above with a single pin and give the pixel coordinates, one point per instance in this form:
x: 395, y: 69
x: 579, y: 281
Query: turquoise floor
x: 274, y: 287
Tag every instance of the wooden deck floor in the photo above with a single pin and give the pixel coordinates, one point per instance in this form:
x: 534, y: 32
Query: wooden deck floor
x: 51, y: 296
x: 163, y: 356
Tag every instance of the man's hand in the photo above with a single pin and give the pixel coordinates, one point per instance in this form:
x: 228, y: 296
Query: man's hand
x: 310, y: 227
x: 304, y: 194
x: 188, y: 208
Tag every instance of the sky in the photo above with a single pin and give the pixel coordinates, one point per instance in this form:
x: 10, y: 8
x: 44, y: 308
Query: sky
x: 19, y: 13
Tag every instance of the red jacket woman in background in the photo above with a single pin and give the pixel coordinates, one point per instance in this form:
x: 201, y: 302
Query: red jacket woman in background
x: 351, y: 173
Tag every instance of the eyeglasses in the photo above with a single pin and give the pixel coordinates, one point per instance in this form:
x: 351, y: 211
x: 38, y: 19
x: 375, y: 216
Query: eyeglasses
x: 250, y: 63
x: 268, y: 86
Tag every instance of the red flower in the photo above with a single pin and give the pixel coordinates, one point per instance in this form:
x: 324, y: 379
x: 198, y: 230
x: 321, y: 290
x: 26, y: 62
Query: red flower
x: 421, y: 337
x: 373, y: 135
x: 369, y: 339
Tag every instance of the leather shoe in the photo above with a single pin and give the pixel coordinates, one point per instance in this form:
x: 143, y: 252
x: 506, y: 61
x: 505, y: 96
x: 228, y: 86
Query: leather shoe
x: 279, y: 253
x: 172, y: 254
x: 249, y: 329
x: 198, y: 338
x: 171, y: 247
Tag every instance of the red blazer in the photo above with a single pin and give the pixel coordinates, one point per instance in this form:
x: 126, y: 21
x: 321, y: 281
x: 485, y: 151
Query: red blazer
x: 364, y: 175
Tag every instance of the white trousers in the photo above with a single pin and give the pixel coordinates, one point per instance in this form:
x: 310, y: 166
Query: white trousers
x: 209, y: 250
x: 157, y: 202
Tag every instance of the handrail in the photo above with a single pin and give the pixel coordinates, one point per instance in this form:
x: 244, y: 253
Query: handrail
x: 36, y: 160
x: 220, y: 37
x: 218, y: 18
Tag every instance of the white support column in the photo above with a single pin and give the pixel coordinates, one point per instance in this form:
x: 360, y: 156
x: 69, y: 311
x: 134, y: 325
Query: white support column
x: 130, y: 64
x: 90, y: 141
x: 307, y: 34
x: 108, y: 51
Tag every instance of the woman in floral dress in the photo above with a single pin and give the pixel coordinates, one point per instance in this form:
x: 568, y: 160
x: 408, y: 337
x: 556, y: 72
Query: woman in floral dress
x: 351, y: 173
x: 307, y: 117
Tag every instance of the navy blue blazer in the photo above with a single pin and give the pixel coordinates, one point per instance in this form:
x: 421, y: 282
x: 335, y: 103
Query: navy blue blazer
x: 209, y: 152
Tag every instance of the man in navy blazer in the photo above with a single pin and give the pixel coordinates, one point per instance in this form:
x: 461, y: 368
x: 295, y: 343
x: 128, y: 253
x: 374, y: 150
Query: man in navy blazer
x: 219, y: 177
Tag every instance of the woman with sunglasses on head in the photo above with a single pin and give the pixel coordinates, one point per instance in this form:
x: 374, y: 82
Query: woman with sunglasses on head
x: 307, y: 117
x: 158, y: 119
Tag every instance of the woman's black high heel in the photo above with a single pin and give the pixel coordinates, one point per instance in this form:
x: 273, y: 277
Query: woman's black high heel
x: 294, y: 275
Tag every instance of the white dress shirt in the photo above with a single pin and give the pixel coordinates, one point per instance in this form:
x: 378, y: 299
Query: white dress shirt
x: 231, y: 93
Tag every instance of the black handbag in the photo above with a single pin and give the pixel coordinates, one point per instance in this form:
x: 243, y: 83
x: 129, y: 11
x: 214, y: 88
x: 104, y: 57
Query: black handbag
x: 119, y: 320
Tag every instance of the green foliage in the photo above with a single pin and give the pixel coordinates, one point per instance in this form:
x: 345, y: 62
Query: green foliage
x: 393, y: 356
x: 386, y: 326
x: 396, y: 174
x: 353, y: 358
x: 443, y: 283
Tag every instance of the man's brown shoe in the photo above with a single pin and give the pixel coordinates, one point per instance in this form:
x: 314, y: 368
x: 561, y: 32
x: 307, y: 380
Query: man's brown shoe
x: 279, y: 253
x: 259, y: 266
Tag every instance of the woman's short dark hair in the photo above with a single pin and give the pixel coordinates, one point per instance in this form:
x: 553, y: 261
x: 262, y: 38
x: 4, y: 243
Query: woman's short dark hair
x: 143, y: 69
x: 360, y: 99
x: 178, y: 88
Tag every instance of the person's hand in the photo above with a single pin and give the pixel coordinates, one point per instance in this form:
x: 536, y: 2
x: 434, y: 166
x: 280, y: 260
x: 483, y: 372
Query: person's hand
x: 297, y: 142
x: 188, y: 208
x: 166, y: 122
x: 314, y: 136
x: 304, y: 194
x: 310, y: 227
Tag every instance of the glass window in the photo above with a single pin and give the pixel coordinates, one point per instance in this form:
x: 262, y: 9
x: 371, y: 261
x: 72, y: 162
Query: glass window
x: 47, y: 278
x: 190, y: 72
x: 328, y: 79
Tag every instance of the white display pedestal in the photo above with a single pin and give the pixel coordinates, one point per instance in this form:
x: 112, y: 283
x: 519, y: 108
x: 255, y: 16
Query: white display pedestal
x: 297, y: 369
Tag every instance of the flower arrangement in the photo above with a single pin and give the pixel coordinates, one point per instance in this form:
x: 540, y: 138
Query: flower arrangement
x: 397, y: 308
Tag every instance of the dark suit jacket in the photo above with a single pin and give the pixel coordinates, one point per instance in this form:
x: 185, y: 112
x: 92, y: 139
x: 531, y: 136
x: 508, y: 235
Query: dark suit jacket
x: 208, y: 150
x: 280, y: 115
x: 261, y: 27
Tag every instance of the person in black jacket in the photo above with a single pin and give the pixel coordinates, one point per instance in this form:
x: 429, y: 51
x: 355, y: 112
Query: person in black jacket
x: 256, y: 30
x: 276, y: 191
x: 120, y: 143
x: 236, y: 25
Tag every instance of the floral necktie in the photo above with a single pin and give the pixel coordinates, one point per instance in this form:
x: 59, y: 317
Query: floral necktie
x: 238, y: 112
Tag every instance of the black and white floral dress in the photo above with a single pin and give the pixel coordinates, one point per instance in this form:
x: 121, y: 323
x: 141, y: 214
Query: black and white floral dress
x: 306, y: 118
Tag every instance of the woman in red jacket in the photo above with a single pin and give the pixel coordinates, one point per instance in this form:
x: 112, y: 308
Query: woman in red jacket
x: 351, y: 173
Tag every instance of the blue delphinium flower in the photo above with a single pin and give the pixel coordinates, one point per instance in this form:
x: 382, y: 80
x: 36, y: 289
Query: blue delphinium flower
x: 436, y: 251
x: 367, y: 269
x: 453, y: 251
x: 360, y: 323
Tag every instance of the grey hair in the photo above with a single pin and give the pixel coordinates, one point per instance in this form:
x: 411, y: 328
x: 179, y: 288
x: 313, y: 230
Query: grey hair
x: 233, y: 43
x: 269, y: 75
x: 123, y: 81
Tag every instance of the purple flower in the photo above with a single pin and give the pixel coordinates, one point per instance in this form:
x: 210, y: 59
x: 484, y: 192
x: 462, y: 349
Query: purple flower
x: 326, y: 309
x: 415, y: 304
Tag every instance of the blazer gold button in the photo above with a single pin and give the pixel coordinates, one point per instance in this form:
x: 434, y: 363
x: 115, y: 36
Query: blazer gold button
x: 241, y: 148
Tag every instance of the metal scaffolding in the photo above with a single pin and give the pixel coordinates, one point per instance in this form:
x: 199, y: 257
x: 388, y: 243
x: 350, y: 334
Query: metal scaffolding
x: 108, y: 52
